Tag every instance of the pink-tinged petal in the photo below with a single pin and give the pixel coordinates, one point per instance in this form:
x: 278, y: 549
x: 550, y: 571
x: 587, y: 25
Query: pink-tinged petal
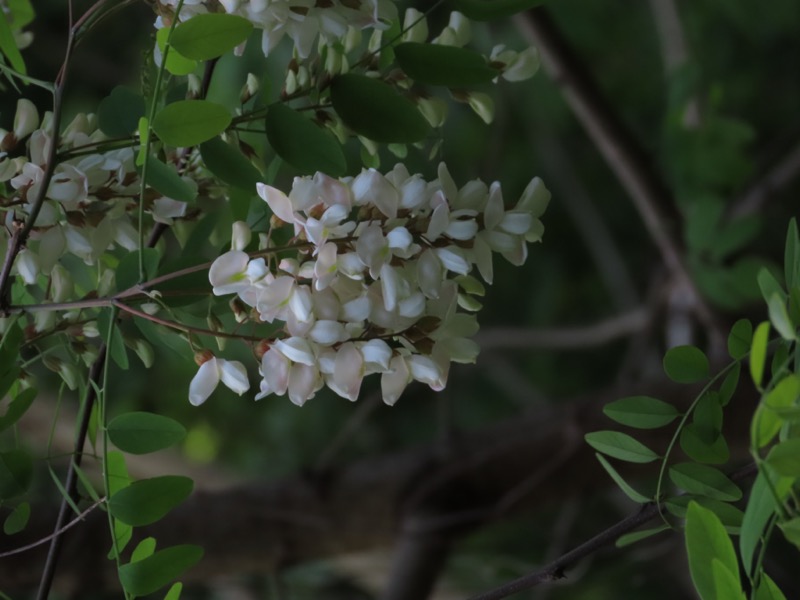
x: 348, y: 372
x: 377, y: 355
x: 333, y: 191
x: 275, y: 369
x: 297, y: 350
x: 303, y: 382
x: 327, y: 333
x: 233, y: 375
x: 226, y: 274
x: 204, y: 382
x: 370, y: 187
x: 278, y: 202
x: 395, y: 380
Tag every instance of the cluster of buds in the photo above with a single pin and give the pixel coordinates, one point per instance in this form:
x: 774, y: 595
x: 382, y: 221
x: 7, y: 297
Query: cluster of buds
x: 381, y: 282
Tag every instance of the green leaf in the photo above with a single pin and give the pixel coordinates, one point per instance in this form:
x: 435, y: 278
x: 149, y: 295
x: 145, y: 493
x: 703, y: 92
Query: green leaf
x: 767, y: 419
x: 740, y: 338
x: 16, y: 473
x: 118, y: 477
x: 375, y: 110
x: 728, y: 387
x: 758, y: 353
x: 229, y: 164
x: 769, y: 285
x: 163, y: 178
x: 726, y: 584
x: 489, y: 10
x: 704, y: 480
x: 707, y: 417
x: 8, y: 377
x: 17, y: 519
x: 621, y: 446
x: 760, y: 509
x: 637, y: 536
x: 302, y: 143
x: 210, y: 35
x: 436, y: 64
x: 127, y: 272
x: 784, y: 458
x: 791, y: 256
x: 177, y: 63
x: 143, y: 549
x: 642, y: 412
x: 22, y: 13
x: 156, y: 571
x: 8, y: 46
x: 17, y: 407
x: 143, y: 432
x: 707, y: 541
x: 123, y: 534
x: 699, y: 449
x: 623, y: 485
x: 118, y: 113
x: 767, y: 589
x: 174, y: 592
x: 190, y: 122
x: 730, y: 516
x: 117, y: 347
x: 685, y: 364
x: 791, y: 530
x: 147, y: 501
x: 779, y: 317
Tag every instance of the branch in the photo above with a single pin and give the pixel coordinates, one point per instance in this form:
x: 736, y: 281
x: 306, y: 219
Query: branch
x: 777, y: 178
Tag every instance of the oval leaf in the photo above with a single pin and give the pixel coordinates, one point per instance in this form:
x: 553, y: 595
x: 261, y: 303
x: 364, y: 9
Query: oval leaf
x: 784, y: 458
x: 705, y: 481
x: 17, y: 519
x: 17, y: 407
x: 229, y: 164
x: 190, y: 122
x: 16, y: 473
x: 758, y: 353
x: 157, y: 570
x: 437, y: 64
x: 143, y: 432
x: 119, y: 113
x: 163, y: 178
x: 714, y: 452
x: 707, y: 541
x: 147, y: 501
x: 375, y: 110
x: 302, y: 143
x: 210, y: 35
x: 642, y: 412
x: 760, y: 508
x: 623, y: 485
x: 685, y: 364
x: 177, y: 63
x: 621, y: 446
x: 740, y: 338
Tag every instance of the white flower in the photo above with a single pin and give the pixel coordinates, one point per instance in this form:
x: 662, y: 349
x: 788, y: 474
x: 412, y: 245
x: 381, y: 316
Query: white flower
x: 231, y: 372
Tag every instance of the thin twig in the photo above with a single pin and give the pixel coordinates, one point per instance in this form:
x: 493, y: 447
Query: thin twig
x: 777, y: 178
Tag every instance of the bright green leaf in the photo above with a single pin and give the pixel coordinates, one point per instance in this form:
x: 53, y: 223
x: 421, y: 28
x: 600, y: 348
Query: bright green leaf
x: 706, y: 541
x: 730, y: 516
x: 147, y: 501
x: 210, y: 35
x: 174, y: 592
x: 177, y: 63
x: 779, y: 317
x: 156, y: 571
x: 685, y: 364
x: 143, y: 432
x: 190, y: 122
x: 229, y: 164
x: 16, y: 473
x: 8, y: 46
x: 784, y: 458
x: 760, y: 509
x: 437, y: 64
x: 164, y: 179
x: 375, y: 110
x: 768, y: 418
x: 17, y: 519
x: 302, y: 143
x: 17, y: 407
x: 490, y: 10
x: 623, y: 485
x: 767, y: 589
x: 642, y: 412
x: 621, y: 446
x: 118, y: 477
x: 726, y: 584
x: 740, y: 338
x: 143, y: 549
x: 758, y: 353
x: 118, y: 113
x: 704, y: 480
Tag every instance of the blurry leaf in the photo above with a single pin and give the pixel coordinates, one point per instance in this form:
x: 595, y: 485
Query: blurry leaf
x: 123, y: 534
x: 165, y: 179
x: 637, y: 536
x: 375, y: 110
x: 642, y: 412
x: 707, y: 541
x: 766, y: 421
x: 16, y: 473
x: 734, y: 236
x: 8, y: 46
x: 177, y: 63
x: 149, y: 500
x: 302, y: 143
x: 697, y: 448
x: 117, y: 348
x: 791, y: 256
x: 174, y: 592
x: 707, y: 417
x: 791, y: 530
x: 88, y: 486
x: 17, y: 519
x: 489, y: 10
x: 621, y: 446
x: 156, y: 571
x: 22, y: 13
x: 685, y: 364
x: 437, y: 64
x: 229, y: 164
x: 143, y: 549
x: 9, y: 374
x: 207, y: 36
x: 784, y: 458
x: 127, y: 272
x: 769, y: 285
x: 779, y: 317
x: 9, y: 345
x: 740, y: 338
x: 63, y: 491
x: 190, y: 122
x: 726, y: 584
x: 730, y: 516
x: 143, y: 432
x: 118, y: 477
x: 623, y: 485
x: 704, y: 480
x: 767, y: 590
x: 17, y: 407
x: 728, y: 387
x: 760, y: 509
x: 758, y: 353
x: 118, y: 113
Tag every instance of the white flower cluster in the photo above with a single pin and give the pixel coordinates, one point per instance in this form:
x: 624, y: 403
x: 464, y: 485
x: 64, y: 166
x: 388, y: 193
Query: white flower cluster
x: 301, y: 20
x: 379, y: 286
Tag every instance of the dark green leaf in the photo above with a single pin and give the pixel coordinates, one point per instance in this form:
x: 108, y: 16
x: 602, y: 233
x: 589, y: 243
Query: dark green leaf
x: 118, y: 477
x: 127, y: 274
x: 118, y: 113
x: 728, y: 387
x: 190, y: 122
x: 147, y: 501
x: 436, y: 64
x: 489, y: 10
x: 10, y: 344
x: 642, y: 412
x: 375, y: 110
x: 17, y: 407
x: 17, y: 519
x: 623, y: 485
x: 760, y: 508
x: 164, y: 179
x: 117, y: 348
x: 174, y: 592
x: 685, y: 364
x: 758, y: 353
x: 740, y: 338
x: 143, y: 432
x: 704, y: 480
x: 210, y: 35
x: 143, y: 549
x: 784, y: 458
x: 637, y: 536
x: 304, y: 144
x: 156, y: 571
x: 8, y: 46
x: 16, y: 473
x: 791, y: 530
x: 730, y: 516
x: 621, y: 446
x: 707, y: 417
x: 697, y: 448
x: 8, y: 377
x: 707, y: 540
x: 229, y: 164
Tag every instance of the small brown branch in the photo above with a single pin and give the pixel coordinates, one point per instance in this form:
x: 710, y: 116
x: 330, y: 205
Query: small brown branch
x: 774, y: 180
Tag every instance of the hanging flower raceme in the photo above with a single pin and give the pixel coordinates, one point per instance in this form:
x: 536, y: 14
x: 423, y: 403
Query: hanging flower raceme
x: 382, y: 282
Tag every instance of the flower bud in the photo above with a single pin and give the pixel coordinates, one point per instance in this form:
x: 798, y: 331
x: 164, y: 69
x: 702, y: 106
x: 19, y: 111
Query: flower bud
x: 523, y: 66
x: 352, y: 39
x: 239, y: 309
x: 249, y: 89
x: 483, y: 105
x: 143, y: 350
x: 60, y: 284
x: 240, y: 235
x: 27, y: 264
x: 203, y: 356
x: 433, y: 109
x: 26, y: 120
x: 194, y: 86
x: 290, y: 86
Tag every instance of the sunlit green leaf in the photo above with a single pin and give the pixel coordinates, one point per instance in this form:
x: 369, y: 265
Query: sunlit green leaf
x: 686, y: 364
x: 767, y: 419
x: 642, y: 412
x: 17, y: 519
x: 229, y: 164
x: 726, y: 584
x: 191, y: 122
x: 758, y: 353
x: 438, y: 64
x: 621, y: 446
x: 174, y: 592
x: 118, y: 113
x: 207, y: 36
x: 779, y: 317
x: 767, y: 589
x: 704, y: 480
x: 706, y: 541
x: 156, y: 571
x: 143, y: 432
x: 740, y: 338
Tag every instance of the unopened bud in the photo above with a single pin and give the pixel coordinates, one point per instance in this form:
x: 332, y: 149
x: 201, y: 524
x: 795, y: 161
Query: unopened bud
x: 483, y: 105
x: 303, y: 78
x: 249, y: 89
x: 375, y: 39
x: 90, y: 330
x: 143, y: 350
x: 352, y: 39
x: 240, y: 235
x: 26, y: 120
x: 27, y: 264
x: 290, y: 86
x: 261, y: 348
x: 240, y: 310
x: 523, y: 66
x: 203, y: 356
x: 60, y: 283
